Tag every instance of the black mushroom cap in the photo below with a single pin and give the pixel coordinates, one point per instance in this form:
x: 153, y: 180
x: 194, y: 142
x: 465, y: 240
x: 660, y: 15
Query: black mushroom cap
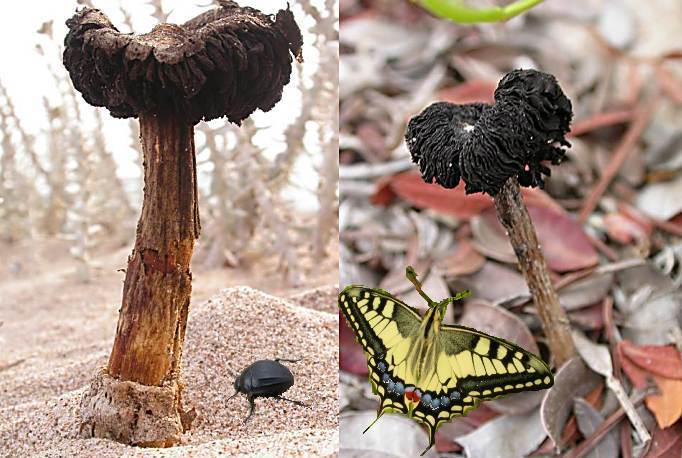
x: 485, y: 145
x: 227, y: 61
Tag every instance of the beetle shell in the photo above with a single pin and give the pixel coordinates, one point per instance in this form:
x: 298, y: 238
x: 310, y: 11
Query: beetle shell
x: 264, y: 378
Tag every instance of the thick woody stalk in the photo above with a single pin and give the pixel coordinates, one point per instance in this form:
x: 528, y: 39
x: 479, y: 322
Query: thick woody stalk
x: 514, y: 216
x: 156, y: 292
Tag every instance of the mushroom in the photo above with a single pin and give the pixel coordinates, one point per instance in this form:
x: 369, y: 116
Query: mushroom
x: 494, y: 149
x: 226, y: 62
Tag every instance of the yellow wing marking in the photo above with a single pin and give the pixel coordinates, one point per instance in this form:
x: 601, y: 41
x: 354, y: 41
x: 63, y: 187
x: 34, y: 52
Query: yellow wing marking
x: 478, y: 365
x: 388, y: 309
x: 489, y: 368
x: 482, y: 346
x: 466, y: 364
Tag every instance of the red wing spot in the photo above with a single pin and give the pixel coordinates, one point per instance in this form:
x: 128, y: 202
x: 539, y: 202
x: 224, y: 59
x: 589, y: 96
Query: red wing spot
x: 412, y: 396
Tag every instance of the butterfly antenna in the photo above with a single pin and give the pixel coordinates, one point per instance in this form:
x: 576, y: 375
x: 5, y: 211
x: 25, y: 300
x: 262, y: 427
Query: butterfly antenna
x: 412, y: 277
x: 375, y: 420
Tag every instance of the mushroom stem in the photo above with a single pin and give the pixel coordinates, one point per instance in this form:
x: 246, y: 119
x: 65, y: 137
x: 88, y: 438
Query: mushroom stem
x: 156, y: 293
x: 514, y: 217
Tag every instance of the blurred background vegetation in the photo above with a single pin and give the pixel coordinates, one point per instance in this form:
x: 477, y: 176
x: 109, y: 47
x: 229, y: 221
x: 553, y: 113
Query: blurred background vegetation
x: 71, y: 173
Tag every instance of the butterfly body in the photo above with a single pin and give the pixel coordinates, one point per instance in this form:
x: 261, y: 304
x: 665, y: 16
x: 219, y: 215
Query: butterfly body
x: 430, y: 371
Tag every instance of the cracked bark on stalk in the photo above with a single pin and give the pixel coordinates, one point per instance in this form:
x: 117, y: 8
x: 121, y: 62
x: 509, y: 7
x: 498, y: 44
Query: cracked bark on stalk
x: 493, y: 149
x: 226, y: 62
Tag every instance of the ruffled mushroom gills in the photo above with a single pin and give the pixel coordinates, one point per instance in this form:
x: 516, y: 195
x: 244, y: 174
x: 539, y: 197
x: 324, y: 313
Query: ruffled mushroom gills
x: 494, y: 149
x: 226, y: 62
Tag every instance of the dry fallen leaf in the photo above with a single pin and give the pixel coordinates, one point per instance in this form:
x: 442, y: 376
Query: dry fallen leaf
x: 589, y: 419
x: 463, y: 260
x: 562, y: 239
x: 666, y: 443
x: 573, y: 379
x: 351, y: 357
x: 506, y: 436
x: 410, y: 187
x: 587, y: 291
x: 623, y: 229
x: 496, y: 283
x: 594, y: 398
x: 667, y: 406
x: 393, y: 436
x: 469, y: 91
x: 461, y: 426
x: 663, y: 360
x: 588, y: 318
x: 661, y: 200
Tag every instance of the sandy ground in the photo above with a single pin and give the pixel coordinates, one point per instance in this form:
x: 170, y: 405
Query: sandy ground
x: 56, y: 332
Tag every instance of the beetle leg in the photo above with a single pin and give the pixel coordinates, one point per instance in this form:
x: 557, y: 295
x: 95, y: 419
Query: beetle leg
x: 288, y: 360
x: 235, y: 394
x: 251, y: 409
x: 298, y: 403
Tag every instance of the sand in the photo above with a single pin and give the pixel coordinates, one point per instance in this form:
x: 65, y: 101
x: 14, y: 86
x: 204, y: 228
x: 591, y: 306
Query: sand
x: 39, y: 400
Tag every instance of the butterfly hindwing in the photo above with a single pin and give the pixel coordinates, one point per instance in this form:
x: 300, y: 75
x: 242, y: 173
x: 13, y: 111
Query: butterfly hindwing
x: 383, y: 325
x: 488, y: 366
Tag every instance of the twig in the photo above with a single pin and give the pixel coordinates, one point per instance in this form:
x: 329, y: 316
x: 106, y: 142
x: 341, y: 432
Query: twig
x: 641, y: 120
x: 672, y: 228
x: 600, y: 120
x: 365, y: 171
x: 11, y: 365
x: 603, y: 248
x: 573, y: 277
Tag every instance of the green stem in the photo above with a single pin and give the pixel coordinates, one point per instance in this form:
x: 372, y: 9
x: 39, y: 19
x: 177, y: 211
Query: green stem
x: 457, y: 11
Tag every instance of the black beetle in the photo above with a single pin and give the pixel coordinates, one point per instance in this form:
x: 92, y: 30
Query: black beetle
x: 265, y: 379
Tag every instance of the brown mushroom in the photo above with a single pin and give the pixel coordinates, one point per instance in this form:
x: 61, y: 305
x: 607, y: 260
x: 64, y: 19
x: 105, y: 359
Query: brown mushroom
x: 226, y: 62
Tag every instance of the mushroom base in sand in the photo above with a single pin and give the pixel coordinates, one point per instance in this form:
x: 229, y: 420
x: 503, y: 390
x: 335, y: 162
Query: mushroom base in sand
x: 136, y: 414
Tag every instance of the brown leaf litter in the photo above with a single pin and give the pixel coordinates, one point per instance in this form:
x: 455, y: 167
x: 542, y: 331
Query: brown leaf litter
x: 224, y: 335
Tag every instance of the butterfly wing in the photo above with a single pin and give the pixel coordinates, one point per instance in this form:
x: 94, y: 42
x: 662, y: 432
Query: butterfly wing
x: 385, y: 327
x: 461, y: 366
x: 488, y: 366
x: 470, y: 367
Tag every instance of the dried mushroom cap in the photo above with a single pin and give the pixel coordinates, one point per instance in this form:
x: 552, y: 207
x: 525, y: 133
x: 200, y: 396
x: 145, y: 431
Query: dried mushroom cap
x: 485, y: 145
x: 228, y: 61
